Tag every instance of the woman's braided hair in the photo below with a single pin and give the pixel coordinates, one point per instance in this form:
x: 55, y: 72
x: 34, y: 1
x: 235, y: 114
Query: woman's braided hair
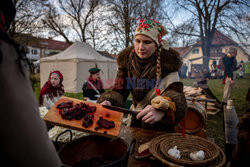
x: 158, y: 67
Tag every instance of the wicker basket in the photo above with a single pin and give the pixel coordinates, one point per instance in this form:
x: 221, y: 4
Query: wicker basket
x: 154, y: 149
x: 159, y: 146
x: 220, y: 160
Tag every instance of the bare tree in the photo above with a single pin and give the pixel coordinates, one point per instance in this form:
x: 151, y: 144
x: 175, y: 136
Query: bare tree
x: 226, y: 15
x: 124, y: 16
x: 55, y: 24
x: 178, y: 39
x: 70, y: 15
x: 28, y: 15
x: 96, y: 29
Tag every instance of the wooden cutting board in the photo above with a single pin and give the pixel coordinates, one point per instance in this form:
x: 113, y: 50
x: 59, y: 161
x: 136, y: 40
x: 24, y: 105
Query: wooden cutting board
x: 53, y: 117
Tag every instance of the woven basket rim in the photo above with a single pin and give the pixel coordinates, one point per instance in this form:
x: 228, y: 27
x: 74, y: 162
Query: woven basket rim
x: 156, y: 155
x: 155, y: 150
x: 190, y: 140
x: 223, y: 158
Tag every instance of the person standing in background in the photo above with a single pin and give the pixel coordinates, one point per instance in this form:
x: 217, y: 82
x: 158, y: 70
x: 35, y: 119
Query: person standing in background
x: 229, y: 65
x: 213, y: 71
x: 93, y: 87
x: 242, y: 69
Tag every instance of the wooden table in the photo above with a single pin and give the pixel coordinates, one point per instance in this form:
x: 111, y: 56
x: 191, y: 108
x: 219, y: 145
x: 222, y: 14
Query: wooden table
x: 142, y: 136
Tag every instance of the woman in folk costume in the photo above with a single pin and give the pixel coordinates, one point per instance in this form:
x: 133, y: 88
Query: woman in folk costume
x: 52, y: 90
x: 149, y: 70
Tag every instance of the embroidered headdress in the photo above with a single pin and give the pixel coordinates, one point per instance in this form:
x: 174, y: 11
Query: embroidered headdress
x: 154, y: 30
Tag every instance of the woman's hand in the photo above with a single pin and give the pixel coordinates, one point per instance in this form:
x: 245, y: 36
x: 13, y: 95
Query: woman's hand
x: 150, y: 115
x: 106, y: 102
x: 232, y: 82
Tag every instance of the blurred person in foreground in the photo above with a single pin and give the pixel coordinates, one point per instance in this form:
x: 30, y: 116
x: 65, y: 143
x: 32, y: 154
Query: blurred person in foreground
x: 241, y: 153
x: 149, y: 70
x: 24, y: 138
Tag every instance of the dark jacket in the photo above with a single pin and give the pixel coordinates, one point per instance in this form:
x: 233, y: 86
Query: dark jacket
x: 229, y: 65
x: 89, y: 91
x: 170, y: 62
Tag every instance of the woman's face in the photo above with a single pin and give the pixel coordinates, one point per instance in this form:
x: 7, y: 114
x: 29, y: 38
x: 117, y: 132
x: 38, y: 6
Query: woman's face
x: 144, y: 46
x: 54, y: 80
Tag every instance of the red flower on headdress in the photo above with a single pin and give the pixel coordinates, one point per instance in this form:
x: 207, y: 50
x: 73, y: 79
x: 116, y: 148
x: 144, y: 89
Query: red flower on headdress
x: 153, y: 24
x: 143, y: 24
x: 159, y: 40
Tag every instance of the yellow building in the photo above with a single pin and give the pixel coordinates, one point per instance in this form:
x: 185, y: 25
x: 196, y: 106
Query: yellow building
x: 193, y: 57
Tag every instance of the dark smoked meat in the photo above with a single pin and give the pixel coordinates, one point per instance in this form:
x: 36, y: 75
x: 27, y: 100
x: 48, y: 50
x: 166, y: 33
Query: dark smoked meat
x: 88, y: 120
x: 63, y: 105
x: 81, y: 110
x: 106, y: 124
x: 69, y: 111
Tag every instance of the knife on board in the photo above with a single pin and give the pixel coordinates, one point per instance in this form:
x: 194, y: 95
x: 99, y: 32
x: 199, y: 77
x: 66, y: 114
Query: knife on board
x: 120, y: 109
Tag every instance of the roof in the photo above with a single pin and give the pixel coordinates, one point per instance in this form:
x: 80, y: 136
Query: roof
x: 43, y: 43
x: 220, y: 39
x: 80, y: 51
x: 183, y: 50
x: 53, y: 44
x: 106, y: 54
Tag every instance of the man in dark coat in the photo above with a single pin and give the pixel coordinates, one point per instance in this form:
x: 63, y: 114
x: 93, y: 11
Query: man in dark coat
x: 93, y: 87
x: 229, y: 65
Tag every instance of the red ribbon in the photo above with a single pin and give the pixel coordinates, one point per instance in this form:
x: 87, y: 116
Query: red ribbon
x: 158, y: 92
x: 224, y: 80
x: 3, y: 18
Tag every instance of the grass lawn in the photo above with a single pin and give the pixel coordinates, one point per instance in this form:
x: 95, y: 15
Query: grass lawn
x: 214, y: 122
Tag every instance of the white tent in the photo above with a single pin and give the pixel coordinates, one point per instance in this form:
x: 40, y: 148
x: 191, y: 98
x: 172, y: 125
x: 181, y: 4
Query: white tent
x: 74, y: 64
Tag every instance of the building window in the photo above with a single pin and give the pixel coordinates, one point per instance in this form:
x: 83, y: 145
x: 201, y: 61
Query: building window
x: 195, y: 51
x: 34, y: 51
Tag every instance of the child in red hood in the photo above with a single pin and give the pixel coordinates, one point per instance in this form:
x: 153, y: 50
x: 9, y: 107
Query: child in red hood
x: 52, y: 90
